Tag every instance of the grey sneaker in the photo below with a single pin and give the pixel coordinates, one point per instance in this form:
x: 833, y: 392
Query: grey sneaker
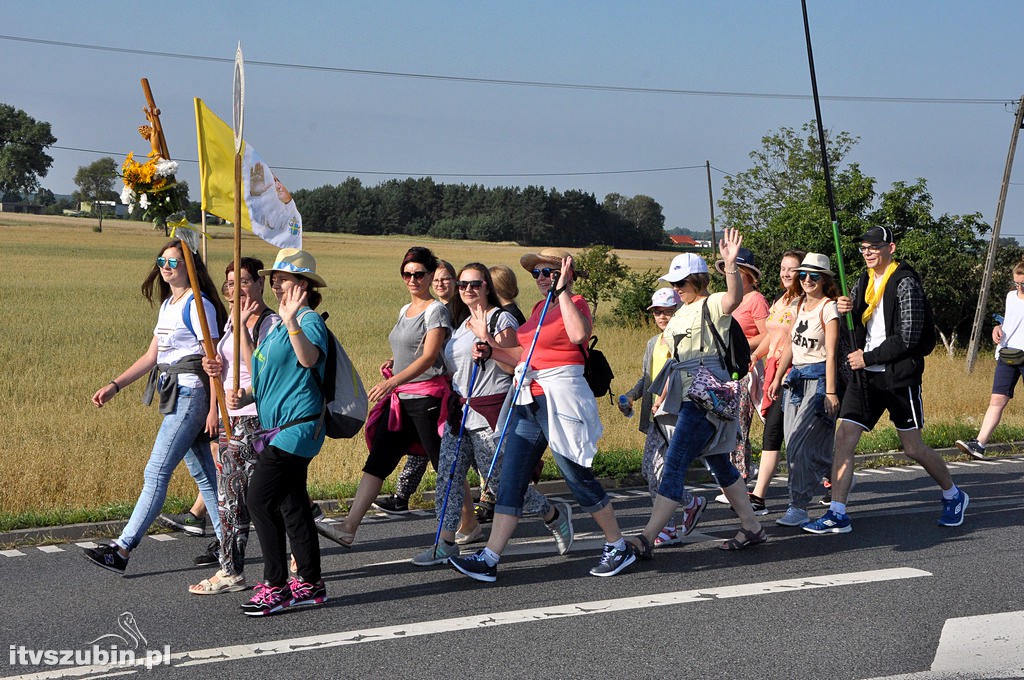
x: 794, y: 517
x: 186, y: 522
x: 613, y: 561
x: 438, y: 555
x: 972, y: 447
x: 561, y: 528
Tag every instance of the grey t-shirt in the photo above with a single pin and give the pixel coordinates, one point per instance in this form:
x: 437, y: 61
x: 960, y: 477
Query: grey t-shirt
x: 407, y: 337
x: 458, y: 357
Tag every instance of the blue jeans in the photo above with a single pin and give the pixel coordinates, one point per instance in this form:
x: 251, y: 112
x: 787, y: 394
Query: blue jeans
x: 180, y: 436
x: 524, y: 445
x: 692, y: 434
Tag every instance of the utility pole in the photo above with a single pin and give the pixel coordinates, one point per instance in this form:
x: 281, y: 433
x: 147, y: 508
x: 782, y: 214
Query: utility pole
x: 986, y: 277
x: 711, y: 200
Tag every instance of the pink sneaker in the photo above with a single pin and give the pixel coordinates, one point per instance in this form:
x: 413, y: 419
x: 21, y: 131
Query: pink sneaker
x: 691, y: 515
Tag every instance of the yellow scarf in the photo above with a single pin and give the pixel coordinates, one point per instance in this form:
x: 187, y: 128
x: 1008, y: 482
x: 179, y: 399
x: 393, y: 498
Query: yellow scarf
x: 662, y: 353
x: 873, y: 294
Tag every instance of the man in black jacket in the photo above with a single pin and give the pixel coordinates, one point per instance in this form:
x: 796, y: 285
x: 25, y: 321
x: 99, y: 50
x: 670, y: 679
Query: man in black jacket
x: 893, y: 332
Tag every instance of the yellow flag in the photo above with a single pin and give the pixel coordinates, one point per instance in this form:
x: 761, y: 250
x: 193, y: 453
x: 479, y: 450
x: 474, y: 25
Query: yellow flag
x: 276, y: 220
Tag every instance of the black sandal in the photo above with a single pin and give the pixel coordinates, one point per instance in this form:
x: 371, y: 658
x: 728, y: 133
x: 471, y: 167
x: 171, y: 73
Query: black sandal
x: 645, y: 550
x: 749, y: 538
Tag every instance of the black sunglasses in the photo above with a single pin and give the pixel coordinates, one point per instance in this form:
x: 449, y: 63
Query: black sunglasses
x: 813, y: 276
x: 171, y: 262
x: 546, y: 271
x: 418, y: 276
x: 475, y: 285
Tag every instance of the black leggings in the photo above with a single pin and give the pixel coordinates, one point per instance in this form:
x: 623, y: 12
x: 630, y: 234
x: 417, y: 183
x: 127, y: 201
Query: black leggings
x: 419, y: 426
x: 772, y: 440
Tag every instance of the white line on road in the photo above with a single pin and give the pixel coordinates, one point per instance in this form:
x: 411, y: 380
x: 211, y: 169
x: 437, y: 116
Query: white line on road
x: 50, y: 549
x: 12, y: 553
x: 490, y: 620
x: 163, y: 537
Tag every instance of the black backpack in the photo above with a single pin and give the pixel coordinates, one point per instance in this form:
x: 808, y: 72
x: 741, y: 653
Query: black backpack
x: 596, y: 369
x: 735, y: 355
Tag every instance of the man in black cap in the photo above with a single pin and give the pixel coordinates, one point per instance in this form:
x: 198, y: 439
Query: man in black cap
x: 893, y: 332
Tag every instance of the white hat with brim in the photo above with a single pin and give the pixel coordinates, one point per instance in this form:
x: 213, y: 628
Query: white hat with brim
x: 296, y: 262
x: 666, y: 298
x: 684, y: 265
x: 816, y: 263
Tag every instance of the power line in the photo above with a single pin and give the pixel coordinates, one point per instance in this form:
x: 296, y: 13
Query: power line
x: 518, y: 83
x: 577, y: 173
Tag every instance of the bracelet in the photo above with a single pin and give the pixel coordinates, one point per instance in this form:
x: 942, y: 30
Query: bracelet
x: 117, y: 388
x: 831, y: 394
x: 295, y: 332
x: 734, y: 271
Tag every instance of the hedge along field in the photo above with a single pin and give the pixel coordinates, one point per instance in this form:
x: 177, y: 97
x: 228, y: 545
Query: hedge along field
x: 75, y: 318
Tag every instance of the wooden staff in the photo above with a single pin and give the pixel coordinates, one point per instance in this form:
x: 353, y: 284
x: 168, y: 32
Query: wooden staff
x: 153, y: 114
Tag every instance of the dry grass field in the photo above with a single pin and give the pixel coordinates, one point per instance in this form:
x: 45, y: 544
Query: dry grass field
x: 74, y: 318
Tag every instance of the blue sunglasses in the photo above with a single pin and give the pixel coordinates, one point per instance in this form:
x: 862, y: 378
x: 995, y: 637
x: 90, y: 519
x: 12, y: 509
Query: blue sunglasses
x: 171, y: 262
x: 813, y: 276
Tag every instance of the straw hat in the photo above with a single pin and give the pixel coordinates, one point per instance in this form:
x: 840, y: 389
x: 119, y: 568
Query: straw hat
x: 745, y: 259
x: 297, y: 262
x: 817, y: 263
x: 549, y: 256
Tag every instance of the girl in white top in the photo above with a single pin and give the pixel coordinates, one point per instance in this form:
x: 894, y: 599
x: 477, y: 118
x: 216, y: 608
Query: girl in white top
x: 810, y: 399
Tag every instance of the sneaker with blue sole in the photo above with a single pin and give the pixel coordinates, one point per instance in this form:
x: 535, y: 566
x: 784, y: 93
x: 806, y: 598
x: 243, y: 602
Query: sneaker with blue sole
x: 829, y: 523
x: 953, y: 510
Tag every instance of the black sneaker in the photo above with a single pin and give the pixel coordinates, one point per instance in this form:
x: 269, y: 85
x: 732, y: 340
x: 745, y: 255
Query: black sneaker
x: 757, y: 503
x: 475, y: 567
x: 317, y: 511
x: 211, y: 556
x: 187, y: 522
x: 108, y: 557
x: 613, y: 561
x: 972, y: 447
x: 393, y: 505
x: 267, y: 600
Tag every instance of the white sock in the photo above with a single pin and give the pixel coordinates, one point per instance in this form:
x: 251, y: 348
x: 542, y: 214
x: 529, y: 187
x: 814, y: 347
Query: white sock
x: 490, y: 557
x: 619, y: 544
x: 950, y: 493
x: 837, y: 508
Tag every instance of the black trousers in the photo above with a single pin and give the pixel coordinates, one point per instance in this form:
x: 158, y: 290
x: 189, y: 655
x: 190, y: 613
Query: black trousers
x: 279, y: 506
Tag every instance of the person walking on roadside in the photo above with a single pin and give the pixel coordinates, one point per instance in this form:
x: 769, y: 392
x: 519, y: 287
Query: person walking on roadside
x: 809, y: 393
x: 892, y: 338
x: 483, y: 388
x: 554, y: 406
x: 173, y: 363
x: 290, y: 403
x: 236, y: 455
x: 1008, y: 336
x: 699, y: 432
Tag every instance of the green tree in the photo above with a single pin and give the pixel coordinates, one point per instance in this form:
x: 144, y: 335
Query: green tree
x: 96, y: 183
x: 23, y: 159
x: 603, y: 273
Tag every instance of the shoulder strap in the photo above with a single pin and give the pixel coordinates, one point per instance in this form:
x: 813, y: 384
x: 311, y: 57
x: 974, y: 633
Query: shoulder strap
x: 254, y: 336
x: 492, y: 323
x: 186, y: 315
x: 719, y: 343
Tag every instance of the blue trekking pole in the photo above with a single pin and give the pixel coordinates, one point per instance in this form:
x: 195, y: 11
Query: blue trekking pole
x: 519, y: 385
x: 458, y: 447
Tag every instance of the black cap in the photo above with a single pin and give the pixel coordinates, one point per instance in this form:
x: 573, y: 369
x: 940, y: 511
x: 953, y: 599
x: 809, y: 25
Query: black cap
x: 876, y: 235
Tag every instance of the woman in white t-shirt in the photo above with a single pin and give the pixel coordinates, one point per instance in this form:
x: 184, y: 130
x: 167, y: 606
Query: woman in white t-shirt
x: 174, y: 365
x: 809, y: 392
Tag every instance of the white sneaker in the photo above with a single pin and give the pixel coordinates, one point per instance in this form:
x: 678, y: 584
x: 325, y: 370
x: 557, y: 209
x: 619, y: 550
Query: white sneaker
x: 438, y: 555
x: 720, y: 498
x: 794, y: 517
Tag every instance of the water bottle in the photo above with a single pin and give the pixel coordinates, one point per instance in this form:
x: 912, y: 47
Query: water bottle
x: 625, y: 406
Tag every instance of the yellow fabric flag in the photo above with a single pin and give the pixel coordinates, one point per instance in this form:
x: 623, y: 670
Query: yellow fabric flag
x: 217, y: 165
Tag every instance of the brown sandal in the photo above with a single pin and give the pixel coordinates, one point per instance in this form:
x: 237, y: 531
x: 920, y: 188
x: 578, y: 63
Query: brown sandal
x: 749, y: 538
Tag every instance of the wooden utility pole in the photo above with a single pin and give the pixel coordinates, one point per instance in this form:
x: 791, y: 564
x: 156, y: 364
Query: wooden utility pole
x: 711, y: 200
x: 993, y: 246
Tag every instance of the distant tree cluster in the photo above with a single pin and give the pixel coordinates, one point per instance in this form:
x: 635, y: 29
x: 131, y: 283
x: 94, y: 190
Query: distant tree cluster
x: 528, y: 215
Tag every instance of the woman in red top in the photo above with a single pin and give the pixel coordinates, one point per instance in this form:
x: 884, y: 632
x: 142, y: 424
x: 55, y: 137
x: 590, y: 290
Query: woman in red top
x: 555, y: 408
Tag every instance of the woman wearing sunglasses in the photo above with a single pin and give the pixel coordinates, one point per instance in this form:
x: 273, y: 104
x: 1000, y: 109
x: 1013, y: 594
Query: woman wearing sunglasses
x: 809, y: 392
x: 483, y: 385
x: 411, y: 400
x: 173, y: 363
x: 555, y: 407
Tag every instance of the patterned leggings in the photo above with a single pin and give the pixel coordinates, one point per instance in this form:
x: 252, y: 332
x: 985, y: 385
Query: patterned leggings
x: 411, y: 476
x: 236, y: 458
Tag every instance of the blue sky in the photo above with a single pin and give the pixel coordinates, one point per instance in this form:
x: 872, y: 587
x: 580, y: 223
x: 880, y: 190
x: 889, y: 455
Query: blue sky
x: 363, y: 124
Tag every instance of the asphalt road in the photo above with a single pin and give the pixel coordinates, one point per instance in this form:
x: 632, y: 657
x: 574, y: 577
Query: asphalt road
x: 900, y: 596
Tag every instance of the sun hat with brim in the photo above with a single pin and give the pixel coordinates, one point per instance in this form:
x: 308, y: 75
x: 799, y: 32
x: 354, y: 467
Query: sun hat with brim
x: 297, y: 262
x: 547, y: 256
x: 745, y: 259
x: 665, y: 297
x: 815, y: 263
x: 684, y: 265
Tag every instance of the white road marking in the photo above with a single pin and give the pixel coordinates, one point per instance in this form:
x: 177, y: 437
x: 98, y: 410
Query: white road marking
x: 12, y: 553
x: 163, y: 537
x: 50, y: 549
x: 877, y: 471
x: 87, y: 544
x: 490, y: 620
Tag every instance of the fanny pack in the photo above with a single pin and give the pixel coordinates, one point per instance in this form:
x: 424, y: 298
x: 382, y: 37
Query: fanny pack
x: 1011, y: 357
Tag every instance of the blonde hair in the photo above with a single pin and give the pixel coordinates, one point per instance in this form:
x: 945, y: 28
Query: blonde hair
x: 505, y: 283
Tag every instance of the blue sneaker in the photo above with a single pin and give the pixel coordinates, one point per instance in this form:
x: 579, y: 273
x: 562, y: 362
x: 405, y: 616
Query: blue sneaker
x: 475, y: 567
x: 953, y: 510
x: 829, y: 523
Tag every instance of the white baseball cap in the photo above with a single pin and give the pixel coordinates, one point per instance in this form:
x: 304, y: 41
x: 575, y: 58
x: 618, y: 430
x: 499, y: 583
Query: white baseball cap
x: 684, y: 265
x: 665, y: 297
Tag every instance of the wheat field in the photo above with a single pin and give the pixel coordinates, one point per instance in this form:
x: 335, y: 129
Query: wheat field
x: 75, y: 318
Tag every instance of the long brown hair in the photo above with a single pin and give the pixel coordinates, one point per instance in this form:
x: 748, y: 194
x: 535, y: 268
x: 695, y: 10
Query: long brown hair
x: 154, y: 283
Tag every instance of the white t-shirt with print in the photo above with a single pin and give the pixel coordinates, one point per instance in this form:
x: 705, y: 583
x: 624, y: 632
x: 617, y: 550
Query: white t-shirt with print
x: 809, y: 332
x: 175, y: 341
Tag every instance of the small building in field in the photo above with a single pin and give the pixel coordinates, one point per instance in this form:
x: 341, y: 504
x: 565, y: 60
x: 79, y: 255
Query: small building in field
x: 682, y: 240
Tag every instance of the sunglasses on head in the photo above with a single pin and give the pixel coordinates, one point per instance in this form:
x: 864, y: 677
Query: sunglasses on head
x: 813, y: 276
x: 418, y: 276
x: 475, y: 285
x: 171, y: 262
x: 545, y: 271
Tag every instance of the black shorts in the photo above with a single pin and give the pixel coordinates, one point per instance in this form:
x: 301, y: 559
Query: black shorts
x: 865, y: 402
x: 772, y: 439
